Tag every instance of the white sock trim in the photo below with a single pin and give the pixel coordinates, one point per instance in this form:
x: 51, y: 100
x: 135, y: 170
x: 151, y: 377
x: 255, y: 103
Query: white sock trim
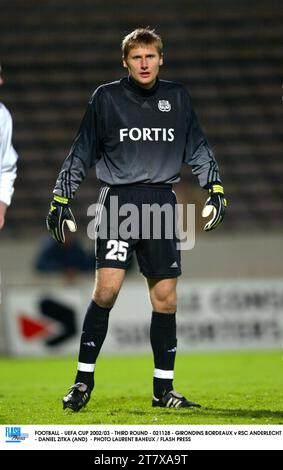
x: 83, y: 367
x: 163, y: 374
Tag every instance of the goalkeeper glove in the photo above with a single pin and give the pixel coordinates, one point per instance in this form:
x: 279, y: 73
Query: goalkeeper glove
x: 59, y: 214
x: 215, y: 205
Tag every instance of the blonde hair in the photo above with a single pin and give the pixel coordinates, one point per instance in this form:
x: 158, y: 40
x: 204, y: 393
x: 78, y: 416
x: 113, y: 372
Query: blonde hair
x: 141, y: 36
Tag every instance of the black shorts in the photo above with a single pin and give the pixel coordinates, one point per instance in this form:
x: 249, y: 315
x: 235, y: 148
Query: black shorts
x: 140, y: 218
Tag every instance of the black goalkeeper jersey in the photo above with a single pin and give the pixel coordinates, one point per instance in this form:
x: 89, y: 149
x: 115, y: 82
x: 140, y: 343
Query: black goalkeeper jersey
x: 133, y: 135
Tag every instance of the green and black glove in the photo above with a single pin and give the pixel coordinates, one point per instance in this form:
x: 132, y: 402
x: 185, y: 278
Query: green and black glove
x: 215, y: 205
x: 59, y: 214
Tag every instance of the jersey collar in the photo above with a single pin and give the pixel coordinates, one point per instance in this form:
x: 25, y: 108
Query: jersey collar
x: 133, y: 86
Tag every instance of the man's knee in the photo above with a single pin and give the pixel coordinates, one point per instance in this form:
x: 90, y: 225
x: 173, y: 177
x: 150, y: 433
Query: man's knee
x: 108, y: 282
x: 166, y: 306
x: 105, y: 296
x: 164, y: 300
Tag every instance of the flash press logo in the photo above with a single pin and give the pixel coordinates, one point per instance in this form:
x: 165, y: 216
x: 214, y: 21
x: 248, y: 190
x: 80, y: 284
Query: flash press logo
x: 14, y: 434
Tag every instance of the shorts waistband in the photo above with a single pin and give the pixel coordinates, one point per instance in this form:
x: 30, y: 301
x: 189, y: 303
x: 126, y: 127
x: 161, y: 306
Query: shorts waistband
x: 162, y: 186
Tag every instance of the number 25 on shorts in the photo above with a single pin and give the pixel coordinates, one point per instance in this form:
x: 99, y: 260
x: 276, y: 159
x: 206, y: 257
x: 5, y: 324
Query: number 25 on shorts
x: 118, y: 250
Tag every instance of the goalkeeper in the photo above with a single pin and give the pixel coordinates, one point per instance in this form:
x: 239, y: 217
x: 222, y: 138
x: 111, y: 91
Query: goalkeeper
x: 136, y: 132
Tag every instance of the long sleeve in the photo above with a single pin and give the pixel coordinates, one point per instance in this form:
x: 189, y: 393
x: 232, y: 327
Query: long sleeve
x: 198, y: 153
x: 83, y: 155
x: 8, y: 157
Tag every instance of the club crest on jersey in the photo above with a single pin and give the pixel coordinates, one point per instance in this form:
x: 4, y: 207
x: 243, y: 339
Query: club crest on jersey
x: 164, y: 105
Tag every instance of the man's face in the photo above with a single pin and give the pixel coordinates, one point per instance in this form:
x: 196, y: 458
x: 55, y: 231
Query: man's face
x: 143, y: 64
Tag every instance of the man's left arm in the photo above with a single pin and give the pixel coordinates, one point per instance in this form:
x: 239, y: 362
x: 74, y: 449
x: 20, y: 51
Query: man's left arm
x: 3, y: 208
x: 200, y: 157
x: 8, y: 168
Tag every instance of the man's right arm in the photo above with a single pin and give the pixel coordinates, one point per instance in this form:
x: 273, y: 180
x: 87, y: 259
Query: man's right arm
x: 83, y: 155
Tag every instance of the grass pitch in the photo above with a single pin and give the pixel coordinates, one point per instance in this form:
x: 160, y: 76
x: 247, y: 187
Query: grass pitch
x: 233, y: 388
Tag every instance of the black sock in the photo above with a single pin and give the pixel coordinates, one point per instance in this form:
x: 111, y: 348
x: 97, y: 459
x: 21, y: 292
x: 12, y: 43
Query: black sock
x: 164, y: 345
x: 94, y: 332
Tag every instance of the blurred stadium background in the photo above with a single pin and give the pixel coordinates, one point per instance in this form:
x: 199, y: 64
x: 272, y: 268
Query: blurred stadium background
x: 228, y: 53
